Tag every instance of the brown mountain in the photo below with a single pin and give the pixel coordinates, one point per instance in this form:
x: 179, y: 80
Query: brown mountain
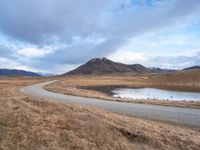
x: 106, y: 66
x: 192, y: 68
x: 139, y: 68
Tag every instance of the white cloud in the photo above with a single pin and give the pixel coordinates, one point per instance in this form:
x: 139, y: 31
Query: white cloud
x: 176, y: 41
x: 128, y: 57
x: 90, y: 39
x: 34, y: 52
x: 65, y: 68
x: 55, y: 33
x: 10, y: 64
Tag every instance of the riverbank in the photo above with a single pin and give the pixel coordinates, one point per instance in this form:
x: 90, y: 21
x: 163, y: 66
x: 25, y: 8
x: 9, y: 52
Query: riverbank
x: 102, y: 86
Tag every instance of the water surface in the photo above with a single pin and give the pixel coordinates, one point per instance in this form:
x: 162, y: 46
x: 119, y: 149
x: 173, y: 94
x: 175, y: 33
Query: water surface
x: 153, y: 93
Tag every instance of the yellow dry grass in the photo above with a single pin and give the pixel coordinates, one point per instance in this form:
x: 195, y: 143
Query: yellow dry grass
x: 175, y: 81
x: 33, y: 123
x: 182, y: 80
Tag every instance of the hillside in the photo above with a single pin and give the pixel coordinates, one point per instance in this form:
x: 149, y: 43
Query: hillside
x: 192, y: 68
x: 185, y: 76
x: 139, y: 68
x: 15, y: 72
x: 159, y: 70
x: 99, y: 66
x: 186, y: 80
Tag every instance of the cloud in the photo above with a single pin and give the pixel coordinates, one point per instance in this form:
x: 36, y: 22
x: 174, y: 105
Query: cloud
x: 178, y: 62
x: 75, y: 31
x: 128, y: 57
x: 10, y: 64
x: 33, y: 52
x: 170, y: 48
x: 37, y: 20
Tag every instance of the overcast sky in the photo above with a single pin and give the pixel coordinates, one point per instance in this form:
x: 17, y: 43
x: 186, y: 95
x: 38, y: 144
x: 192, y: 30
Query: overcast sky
x: 54, y: 36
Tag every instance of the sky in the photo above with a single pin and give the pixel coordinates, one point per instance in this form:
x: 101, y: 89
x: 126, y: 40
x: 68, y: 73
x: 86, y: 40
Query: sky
x: 55, y: 36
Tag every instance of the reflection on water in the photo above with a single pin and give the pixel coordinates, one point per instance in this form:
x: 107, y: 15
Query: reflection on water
x: 152, y: 93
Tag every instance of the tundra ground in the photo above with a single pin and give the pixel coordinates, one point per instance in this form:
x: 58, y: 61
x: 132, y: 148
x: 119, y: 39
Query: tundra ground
x: 34, y: 123
x: 99, y: 86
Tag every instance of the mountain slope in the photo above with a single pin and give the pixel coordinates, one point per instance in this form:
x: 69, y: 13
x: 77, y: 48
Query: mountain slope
x: 192, y: 68
x: 106, y: 66
x: 159, y: 70
x: 15, y: 72
x: 101, y: 66
x: 139, y: 68
x: 188, y: 78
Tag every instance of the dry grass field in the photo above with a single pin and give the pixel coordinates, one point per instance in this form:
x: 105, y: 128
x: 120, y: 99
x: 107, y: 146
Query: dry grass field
x: 35, y: 123
x: 180, y: 81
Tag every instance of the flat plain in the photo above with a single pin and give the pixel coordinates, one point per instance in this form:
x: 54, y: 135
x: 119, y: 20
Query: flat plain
x: 99, y: 86
x: 35, y: 123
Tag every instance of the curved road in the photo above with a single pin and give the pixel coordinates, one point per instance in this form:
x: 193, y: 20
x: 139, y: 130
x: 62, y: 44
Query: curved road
x: 183, y: 116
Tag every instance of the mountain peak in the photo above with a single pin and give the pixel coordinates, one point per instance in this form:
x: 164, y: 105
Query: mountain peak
x: 99, y: 59
x: 105, y: 59
x: 94, y: 60
x: 103, y: 65
x: 106, y: 66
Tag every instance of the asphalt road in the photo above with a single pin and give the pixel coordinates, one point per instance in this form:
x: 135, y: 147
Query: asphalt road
x: 176, y: 115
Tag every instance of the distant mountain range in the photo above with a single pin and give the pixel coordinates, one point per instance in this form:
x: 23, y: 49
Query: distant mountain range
x: 106, y: 66
x: 192, y: 68
x: 96, y: 66
x: 15, y: 72
x: 159, y: 70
